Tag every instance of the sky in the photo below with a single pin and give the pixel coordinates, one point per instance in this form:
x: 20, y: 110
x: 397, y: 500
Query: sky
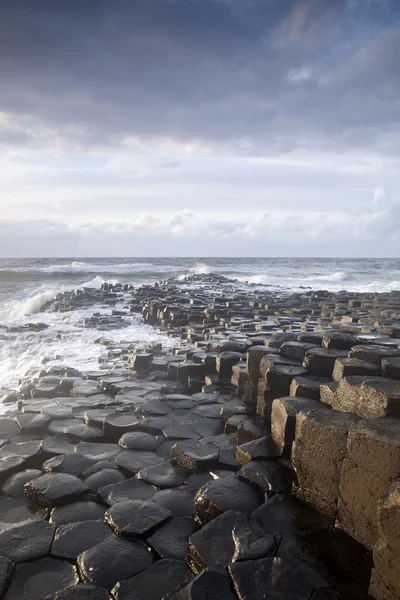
x: 199, y: 128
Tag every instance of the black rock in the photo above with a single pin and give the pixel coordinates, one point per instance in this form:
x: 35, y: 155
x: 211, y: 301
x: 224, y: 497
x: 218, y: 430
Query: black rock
x: 130, y: 489
x: 163, y: 475
x: 179, y: 501
x: 27, y: 541
x: 14, y: 485
x: 54, y: 489
x: 6, y: 570
x: 213, y: 583
x: 287, y: 514
x: 155, y: 582
x: 58, y: 444
x: 77, y: 512
x: 268, y: 578
x: 134, y: 461
x: 74, y: 538
x: 213, y: 544
x: 31, y: 421
x: 41, y: 578
x: 18, y: 509
x: 81, y: 592
x: 136, y: 518
x: 74, y: 464
x: 227, y: 493
x: 113, y: 561
x: 172, y: 539
x: 260, y: 449
x: 103, y: 478
x: 268, y: 476
x: 140, y: 440
x: 97, y: 452
x: 193, y: 455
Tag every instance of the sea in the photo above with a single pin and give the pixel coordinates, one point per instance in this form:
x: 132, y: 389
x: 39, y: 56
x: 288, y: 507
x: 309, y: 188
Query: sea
x: 26, y: 285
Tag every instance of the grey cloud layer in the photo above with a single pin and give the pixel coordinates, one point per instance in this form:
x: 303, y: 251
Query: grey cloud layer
x: 97, y: 71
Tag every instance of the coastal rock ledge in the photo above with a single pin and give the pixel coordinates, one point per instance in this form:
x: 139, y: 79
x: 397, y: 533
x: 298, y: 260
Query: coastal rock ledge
x: 254, y: 455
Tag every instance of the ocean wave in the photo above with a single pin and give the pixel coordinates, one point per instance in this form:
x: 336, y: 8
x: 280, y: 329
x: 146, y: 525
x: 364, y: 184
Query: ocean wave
x: 198, y: 269
x: 35, y: 300
x: 78, y: 267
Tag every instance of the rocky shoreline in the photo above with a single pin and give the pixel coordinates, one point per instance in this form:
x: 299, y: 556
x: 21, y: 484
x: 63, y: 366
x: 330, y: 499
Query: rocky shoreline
x: 255, y: 456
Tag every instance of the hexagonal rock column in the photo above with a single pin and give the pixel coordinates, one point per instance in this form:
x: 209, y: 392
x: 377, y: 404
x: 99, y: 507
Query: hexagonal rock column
x: 385, y: 577
x: 345, y: 367
x: 283, y: 420
x: 368, y: 397
x: 275, y: 385
x: 317, y: 455
x: 225, y: 362
x: 371, y: 464
x: 321, y: 361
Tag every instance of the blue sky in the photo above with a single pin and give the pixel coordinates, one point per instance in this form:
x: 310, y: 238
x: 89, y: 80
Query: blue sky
x: 200, y: 127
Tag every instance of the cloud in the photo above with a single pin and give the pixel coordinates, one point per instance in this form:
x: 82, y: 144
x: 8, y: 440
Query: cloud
x: 379, y: 193
x: 180, y: 122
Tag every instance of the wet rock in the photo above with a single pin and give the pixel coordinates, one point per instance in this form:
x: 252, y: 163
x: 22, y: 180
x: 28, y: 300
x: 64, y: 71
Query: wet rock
x: 112, y: 561
x: 155, y: 582
x: 8, y: 428
x: 139, y: 440
x: 179, y: 501
x: 213, y: 545
x: 130, y: 489
x: 27, y: 541
x: 74, y: 464
x: 84, y: 432
x: 172, y: 539
x: 103, y: 478
x: 269, y: 578
x: 31, y: 422
x: 14, y: 511
x: 54, y: 489
x: 318, y: 453
x: 99, y: 466
x: 81, y: 592
x: 288, y: 515
x: 14, y: 485
x: 267, y: 475
x: 221, y: 495
x: 6, y: 570
x: 97, y: 452
x: 263, y: 448
x: 58, y: 444
x: 194, y: 456
x: 117, y: 424
x: 41, y: 578
x: 72, y: 539
x: 213, y: 582
x: 163, y: 475
x: 134, y: 461
x: 77, y: 512
x: 136, y: 518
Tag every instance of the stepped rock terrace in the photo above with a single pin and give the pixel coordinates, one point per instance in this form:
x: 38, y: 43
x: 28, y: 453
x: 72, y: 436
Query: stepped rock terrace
x: 255, y: 456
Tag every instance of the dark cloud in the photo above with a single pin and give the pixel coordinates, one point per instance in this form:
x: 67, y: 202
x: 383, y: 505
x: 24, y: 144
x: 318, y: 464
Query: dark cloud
x: 97, y: 71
